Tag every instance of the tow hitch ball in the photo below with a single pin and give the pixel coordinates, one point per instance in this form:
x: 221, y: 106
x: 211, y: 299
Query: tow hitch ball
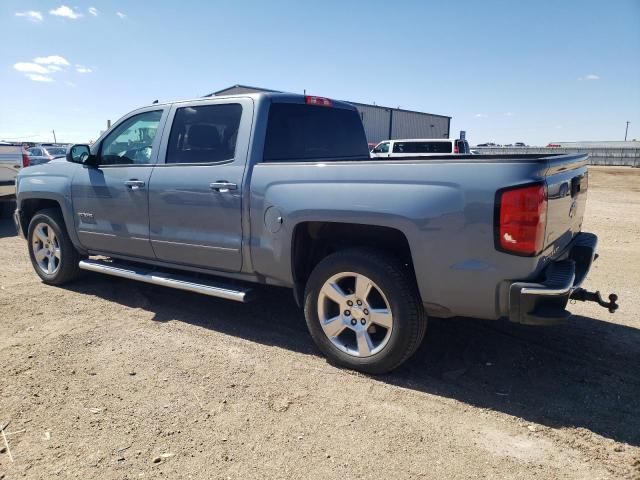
x: 585, y: 296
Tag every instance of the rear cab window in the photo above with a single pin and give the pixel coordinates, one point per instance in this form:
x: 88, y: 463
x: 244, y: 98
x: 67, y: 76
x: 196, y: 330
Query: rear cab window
x: 300, y: 132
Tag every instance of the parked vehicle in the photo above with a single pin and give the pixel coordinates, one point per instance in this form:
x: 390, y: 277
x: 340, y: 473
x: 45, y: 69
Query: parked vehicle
x: 13, y: 157
x: 420, y: 148
x: 520, y: 144
x: 43, y: 154
x: 279, y: 189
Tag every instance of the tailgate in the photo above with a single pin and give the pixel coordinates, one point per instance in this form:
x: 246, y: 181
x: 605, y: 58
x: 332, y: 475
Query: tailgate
x: 567, y: 183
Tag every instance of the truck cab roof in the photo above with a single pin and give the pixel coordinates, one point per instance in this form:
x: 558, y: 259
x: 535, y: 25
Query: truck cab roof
x: 272, y: 97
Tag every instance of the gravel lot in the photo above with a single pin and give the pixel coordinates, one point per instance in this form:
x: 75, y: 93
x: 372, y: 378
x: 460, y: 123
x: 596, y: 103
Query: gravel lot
x: 109, y: 378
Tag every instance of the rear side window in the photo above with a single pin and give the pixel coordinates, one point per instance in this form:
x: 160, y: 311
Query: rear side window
x: 307, y: 132
x: 204, y: 134
x: 422, y: 147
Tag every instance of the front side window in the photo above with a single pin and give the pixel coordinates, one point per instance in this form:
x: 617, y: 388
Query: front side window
x: 204, y: 134
x: 131, y: 143
x: 382, y: 148
x: 35, y: 152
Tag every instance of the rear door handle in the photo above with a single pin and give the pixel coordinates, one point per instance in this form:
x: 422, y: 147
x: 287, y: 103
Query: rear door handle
x: 134, y: 184
x: 223, y: 186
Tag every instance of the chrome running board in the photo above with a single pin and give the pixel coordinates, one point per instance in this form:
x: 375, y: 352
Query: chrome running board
x: 180, y: 282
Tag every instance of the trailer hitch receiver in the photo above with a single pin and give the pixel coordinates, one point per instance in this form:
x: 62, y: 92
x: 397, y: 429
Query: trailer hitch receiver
x: 583, y: 295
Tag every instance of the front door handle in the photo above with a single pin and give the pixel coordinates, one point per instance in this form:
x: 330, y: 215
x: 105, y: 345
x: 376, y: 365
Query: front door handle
x: 134, y: 184
x: 223, y: 186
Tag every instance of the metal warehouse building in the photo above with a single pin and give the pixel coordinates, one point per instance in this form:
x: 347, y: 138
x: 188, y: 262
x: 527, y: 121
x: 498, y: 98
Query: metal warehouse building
x: 380, y: 123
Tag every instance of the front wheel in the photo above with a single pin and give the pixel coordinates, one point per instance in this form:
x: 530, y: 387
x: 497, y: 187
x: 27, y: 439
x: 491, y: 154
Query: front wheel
x: 363, y: 310
x: 52, y: 253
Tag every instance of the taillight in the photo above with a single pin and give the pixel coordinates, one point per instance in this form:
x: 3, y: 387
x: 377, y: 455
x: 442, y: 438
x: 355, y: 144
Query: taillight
x: 522, y: 219
x: 324, y: 102
x: 25, y: 160
x: 456, y: 149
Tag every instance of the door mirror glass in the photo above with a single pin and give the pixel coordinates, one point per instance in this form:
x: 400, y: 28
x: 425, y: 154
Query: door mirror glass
x: 78, y: 153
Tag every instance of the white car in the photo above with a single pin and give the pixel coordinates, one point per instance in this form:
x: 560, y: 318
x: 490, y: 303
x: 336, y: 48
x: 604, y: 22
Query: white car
x: 420, y: 147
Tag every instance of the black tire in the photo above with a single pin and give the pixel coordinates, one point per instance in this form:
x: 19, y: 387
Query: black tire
x: 396, y: 283
x: 68, y: 268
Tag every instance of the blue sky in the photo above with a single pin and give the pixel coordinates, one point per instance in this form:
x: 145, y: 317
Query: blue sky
x: 534, y: 71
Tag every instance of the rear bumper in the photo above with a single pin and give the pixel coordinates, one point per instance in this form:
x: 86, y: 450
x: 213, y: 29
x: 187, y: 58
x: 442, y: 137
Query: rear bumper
x: 544, y: 302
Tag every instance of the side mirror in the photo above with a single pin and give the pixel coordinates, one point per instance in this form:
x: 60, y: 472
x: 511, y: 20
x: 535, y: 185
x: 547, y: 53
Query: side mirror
x: 80, y: 154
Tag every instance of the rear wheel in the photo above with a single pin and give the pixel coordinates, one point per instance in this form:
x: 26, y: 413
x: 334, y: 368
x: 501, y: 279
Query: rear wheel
x: 363, y: 310
x: 52, y: 254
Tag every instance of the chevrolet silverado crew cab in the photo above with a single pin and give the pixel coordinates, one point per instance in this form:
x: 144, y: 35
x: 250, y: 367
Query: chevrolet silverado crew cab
x: 216, y: 194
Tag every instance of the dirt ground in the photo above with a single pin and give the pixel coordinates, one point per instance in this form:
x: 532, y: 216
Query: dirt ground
x: 112, y: 379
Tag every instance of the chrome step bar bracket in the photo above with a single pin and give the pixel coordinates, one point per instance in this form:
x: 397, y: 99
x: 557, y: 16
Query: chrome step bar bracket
x: 164, y: 279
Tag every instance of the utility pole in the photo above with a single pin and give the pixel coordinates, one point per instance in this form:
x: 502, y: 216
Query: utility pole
x: 56, y: 141
x: 626, y: 131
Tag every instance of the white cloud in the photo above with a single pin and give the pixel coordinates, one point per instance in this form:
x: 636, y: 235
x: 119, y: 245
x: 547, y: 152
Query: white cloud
x: 31, y: 15
x: 591, y: 76
x: 120, y: 14
x: 64, y: 11
x: 28, y: 67
x: 43, y: 69
x: 39, y: 78
x: 508, y: 114
x: 481, y: 115
x: 52, y: 60
x: 93, y: 11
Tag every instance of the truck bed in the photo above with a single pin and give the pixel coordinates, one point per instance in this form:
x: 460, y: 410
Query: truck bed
x: 444, y: 205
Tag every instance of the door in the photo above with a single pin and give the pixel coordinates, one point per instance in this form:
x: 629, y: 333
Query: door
x: 111, y: 199
x: 195, y: 192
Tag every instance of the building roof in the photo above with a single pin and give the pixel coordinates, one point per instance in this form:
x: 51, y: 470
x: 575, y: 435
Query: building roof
x: 237, y: 85
x: 260, y: 89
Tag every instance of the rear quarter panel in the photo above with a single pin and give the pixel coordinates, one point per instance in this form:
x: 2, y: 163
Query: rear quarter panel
x: 444, y: 208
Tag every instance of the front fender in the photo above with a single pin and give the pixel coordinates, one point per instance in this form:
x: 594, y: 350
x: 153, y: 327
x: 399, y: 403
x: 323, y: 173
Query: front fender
x: 40, y: 184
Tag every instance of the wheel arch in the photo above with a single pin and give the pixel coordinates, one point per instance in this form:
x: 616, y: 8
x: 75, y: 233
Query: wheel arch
x: 312, y: 241
x: 31, y: 205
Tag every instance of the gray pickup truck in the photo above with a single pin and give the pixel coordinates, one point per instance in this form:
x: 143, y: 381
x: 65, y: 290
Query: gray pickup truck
x: 215, y: 194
